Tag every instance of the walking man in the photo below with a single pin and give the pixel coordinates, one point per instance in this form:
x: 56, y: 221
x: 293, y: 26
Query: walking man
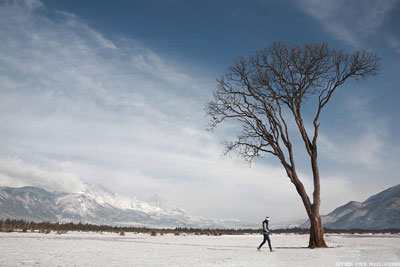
x: 266, y: 235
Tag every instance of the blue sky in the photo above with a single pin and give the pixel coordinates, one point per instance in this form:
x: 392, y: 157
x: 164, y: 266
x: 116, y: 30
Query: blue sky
x: 113, y: 92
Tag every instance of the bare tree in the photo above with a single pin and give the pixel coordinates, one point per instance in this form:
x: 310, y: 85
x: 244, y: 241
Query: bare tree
x: 265, y: 91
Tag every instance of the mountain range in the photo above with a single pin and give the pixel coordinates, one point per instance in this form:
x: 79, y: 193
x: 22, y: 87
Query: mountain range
x: 379, y: 211
x: 98, y: 205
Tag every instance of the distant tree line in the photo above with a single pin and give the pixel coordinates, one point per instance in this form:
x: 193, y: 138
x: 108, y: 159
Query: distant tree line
x: 18, y: 225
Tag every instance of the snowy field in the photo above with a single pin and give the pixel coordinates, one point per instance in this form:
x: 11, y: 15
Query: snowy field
x: 110, y: 249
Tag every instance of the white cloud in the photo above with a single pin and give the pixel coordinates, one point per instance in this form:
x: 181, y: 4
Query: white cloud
x: 362, y: 143
x: 336, y: 191
x: 15, y: 173
x: 394, y: 42
x: 77, y: 107
x: 363, y: 151
x: 350, y: 21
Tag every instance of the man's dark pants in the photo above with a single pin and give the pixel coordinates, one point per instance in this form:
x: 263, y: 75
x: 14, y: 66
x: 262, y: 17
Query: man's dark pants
x: 266, y: 238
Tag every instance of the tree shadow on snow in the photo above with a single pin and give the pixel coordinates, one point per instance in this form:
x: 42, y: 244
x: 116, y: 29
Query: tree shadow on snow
x: 291, y: 248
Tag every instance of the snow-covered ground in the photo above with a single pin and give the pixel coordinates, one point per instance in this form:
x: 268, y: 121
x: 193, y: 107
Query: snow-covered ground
x: 110, y: 249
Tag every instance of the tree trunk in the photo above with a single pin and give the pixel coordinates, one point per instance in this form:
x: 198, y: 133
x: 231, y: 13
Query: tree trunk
x: 316, y: 229
x: 316, y: 232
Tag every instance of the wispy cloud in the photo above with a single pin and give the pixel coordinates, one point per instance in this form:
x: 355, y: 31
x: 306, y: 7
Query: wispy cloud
x: 394, y: 42
x: 362, y: 144
x: 15, y: 173
x: 77, y: 107
x: 350, y: 21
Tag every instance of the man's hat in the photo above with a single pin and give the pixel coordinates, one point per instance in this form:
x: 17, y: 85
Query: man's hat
x: 267, y: 218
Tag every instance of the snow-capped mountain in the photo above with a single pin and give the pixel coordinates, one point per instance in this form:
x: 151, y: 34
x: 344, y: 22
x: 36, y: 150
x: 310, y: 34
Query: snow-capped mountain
x: 98, y: 205
x: 104, y: 196
x: 377, y: 212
